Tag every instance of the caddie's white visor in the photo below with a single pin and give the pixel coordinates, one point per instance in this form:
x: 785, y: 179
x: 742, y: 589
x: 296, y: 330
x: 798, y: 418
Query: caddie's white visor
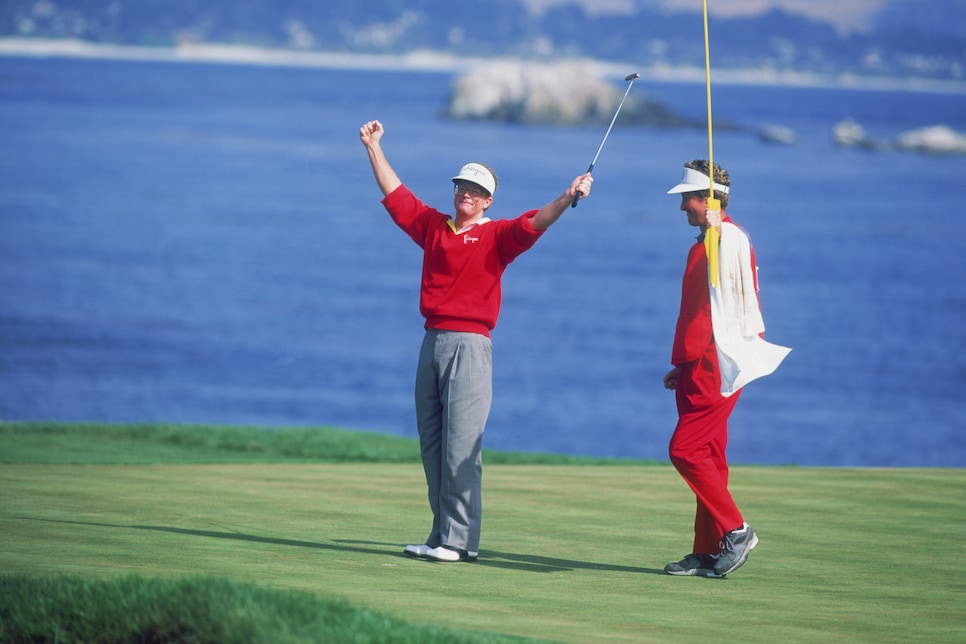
x: 694, y: 181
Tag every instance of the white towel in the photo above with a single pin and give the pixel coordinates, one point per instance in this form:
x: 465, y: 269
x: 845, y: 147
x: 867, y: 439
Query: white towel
x: 743, y: 355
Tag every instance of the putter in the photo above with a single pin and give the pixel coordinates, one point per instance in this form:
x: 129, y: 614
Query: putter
x: 632, y: 77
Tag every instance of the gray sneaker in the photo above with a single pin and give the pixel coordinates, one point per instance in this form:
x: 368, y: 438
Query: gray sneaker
x: 693, y: 565
x: 735, y: 547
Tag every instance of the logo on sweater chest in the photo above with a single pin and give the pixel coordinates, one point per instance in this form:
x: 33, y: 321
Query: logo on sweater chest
x: 467, y: 239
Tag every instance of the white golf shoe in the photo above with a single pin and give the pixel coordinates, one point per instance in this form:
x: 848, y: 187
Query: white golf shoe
x: 448, y: 554
x: 417, y: 551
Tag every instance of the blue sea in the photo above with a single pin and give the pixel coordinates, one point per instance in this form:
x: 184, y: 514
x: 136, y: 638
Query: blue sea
x: 204, y: 243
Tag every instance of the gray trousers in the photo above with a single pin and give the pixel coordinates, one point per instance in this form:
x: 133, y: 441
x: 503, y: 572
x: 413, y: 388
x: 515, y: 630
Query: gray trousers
x: 454, y: 389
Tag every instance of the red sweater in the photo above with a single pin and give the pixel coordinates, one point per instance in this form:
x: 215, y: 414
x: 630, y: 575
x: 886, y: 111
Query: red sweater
x: 460, y: 289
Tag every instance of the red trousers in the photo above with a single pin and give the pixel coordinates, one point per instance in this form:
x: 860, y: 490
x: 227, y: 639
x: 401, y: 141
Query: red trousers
x: 697, y: 449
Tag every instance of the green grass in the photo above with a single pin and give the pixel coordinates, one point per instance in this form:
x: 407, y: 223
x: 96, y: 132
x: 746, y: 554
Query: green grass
x: 570, y: 553
x: 139, y: 609
x: 80, y: 443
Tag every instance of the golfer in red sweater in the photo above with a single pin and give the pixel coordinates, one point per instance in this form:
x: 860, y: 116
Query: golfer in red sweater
x: 463, y: 260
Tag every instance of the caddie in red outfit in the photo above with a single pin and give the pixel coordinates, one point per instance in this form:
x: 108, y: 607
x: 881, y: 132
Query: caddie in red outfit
x: 722, y: 539
x: 463, y: 262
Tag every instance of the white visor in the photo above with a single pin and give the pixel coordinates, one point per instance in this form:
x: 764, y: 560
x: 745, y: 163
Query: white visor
x: 478, y: 174
x: 694, y: 181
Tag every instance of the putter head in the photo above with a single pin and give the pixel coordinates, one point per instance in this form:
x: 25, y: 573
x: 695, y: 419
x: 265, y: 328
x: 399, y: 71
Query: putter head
x: 633, y: 76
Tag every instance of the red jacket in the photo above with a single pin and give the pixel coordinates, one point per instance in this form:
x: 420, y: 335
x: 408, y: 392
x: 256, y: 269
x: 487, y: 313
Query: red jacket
x: 694, y: 334
x: 460, y: 289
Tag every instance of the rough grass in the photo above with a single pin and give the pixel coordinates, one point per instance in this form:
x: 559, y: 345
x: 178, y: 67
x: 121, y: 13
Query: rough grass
x: 570, y: 553
x: 139, y: 609
x: 50, y: 442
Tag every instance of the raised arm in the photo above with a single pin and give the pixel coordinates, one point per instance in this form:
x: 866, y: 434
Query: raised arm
x: 553, y: 210
x: 371, y: 134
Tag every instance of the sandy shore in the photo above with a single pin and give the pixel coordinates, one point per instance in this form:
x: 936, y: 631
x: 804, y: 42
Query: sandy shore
x: 434, y: 61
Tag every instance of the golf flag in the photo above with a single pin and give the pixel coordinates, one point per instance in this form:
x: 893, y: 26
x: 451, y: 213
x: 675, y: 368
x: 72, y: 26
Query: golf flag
x: 711, y: 236
x: 712, y: 233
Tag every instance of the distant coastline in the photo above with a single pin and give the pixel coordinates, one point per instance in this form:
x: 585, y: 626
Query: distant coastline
x: 435, y: 61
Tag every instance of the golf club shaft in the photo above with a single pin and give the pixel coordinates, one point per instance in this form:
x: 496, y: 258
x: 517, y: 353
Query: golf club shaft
x: 600, y: 147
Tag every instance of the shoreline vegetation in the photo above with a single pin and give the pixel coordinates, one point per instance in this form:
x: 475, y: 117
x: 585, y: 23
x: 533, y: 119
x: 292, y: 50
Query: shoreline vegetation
x: 441, y: 62
x: 543, y: 91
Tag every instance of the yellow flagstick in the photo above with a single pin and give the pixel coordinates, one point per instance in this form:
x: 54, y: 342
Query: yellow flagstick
x: 711, y: 234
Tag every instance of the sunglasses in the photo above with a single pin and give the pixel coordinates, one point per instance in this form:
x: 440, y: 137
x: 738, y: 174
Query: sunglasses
x: 472, y: 190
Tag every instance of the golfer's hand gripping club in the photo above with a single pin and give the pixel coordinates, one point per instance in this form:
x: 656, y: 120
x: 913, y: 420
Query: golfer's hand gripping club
x: 631, y: 78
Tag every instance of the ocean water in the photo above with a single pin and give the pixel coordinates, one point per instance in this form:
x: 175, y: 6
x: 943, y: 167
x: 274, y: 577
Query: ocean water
x: 204, y: 243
